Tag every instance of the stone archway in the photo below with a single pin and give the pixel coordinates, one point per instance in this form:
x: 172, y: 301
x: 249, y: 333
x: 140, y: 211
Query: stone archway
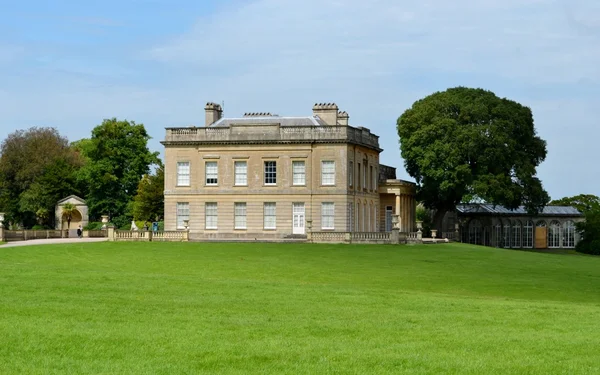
x: 79, y: 217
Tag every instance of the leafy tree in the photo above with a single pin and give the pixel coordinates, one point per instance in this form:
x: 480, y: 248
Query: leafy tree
x: 466, y: 142
x: 118, y: 157
x: 148, y: 204
x: 68, y: 211
x: 36, y: 169
x: 589, y: 229
x: 582, y: 202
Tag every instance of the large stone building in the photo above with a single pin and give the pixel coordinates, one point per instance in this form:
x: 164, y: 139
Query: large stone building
x: 266, y: 176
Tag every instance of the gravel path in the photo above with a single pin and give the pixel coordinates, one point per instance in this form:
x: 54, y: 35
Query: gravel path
x: 51, y: 241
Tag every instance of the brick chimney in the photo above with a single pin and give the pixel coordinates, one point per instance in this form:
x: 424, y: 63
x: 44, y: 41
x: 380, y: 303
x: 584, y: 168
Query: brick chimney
x: 342, y: 118
x: 328, y: 112
x: 213, y: 113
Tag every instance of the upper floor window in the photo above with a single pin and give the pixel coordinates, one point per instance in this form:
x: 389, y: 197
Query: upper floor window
x: 328, y: 172
x: 372, y: 187
x: 212, y: 173
x: 359, y: 186
x: 299, y: 173
x: 270, y: 172
x: 241, y: 173
x: 351, y: 174
x: 183, y: 173
x: 364, y: 176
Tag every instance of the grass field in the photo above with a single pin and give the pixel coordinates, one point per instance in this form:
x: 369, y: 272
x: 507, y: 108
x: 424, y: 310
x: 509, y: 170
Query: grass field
x: 161, y: 308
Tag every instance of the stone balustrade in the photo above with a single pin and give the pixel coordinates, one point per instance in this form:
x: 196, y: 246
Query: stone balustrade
x: 271, y: 133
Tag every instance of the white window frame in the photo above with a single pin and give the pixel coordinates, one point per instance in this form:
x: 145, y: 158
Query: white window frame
x: 211, y: 215
x: 327, y: 215
x: 239, y: 213
x: 351, y: 173
x: 240, y: 169
x: 568, y: 234
x: 182, y: 212
x: 270, y: 215
x: 298, y: 172
x: 328, y: 172
x: 528, y: 230
x: 212, y: 174
x: 270, y: 174
x: 183, y: 173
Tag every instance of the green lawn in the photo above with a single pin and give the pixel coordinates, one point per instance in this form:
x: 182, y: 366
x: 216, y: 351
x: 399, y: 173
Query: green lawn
x: 116, y: 308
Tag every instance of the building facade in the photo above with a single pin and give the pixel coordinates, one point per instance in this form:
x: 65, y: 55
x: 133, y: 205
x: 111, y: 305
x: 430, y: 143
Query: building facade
x: 497, y: 226
x: 266, y: 176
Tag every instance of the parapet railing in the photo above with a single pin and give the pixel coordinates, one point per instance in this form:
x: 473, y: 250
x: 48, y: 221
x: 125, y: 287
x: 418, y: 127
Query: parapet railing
x: 29, y: 234
x: 147, y: 236
x: 273, y: 132
x: 351, y: 237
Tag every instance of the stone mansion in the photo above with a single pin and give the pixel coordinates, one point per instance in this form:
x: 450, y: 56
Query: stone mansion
x: 265, y: 176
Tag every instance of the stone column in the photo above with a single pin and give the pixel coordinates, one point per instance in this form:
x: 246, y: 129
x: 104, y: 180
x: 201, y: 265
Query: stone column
x: 2, y: 234
x: 398, y: 210
x: 111, y: 232
x: 308, y: 230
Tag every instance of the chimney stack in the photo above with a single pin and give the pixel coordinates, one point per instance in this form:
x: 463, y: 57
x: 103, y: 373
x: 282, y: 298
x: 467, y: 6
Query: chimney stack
x: 328, y: 112
x: 213, y: 112
x: 342, y: 118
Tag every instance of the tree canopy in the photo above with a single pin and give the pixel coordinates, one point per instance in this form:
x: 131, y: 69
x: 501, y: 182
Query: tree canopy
x: 469, y: 142
x: 117, y: 157
x: 582, y: 202
x: 589, y: 229
x: 37, y: 168
x: 148, y: 204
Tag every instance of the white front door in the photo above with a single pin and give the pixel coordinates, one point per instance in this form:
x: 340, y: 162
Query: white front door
x: 298, y: 218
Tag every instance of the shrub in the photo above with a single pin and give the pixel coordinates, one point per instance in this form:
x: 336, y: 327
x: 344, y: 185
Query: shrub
x: 94, y: 225
x: 590, y: 233
x: 40, y: 227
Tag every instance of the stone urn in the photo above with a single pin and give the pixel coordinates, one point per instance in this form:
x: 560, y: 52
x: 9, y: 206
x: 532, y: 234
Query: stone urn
x: 104, y: 221
x: 433, y: 233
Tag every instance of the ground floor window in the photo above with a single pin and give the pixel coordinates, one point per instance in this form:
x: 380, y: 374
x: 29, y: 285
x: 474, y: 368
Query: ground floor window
x: 270, y: 215
x: 507, y: 233
x: 240, y: 215
x: 554, y: 234
x: 183, y: 213
x: 568, y: 234
x: 528, y: 234
x: 211, y: 218
x: 516, y: 238
x: 327, y: 215
x: 475, y: 230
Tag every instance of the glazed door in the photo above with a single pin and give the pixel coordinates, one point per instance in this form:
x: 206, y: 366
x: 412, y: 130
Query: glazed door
x: 298, y: 218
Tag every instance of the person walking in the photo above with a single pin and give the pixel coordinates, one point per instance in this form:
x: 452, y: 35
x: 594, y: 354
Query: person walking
x: 79, y: 232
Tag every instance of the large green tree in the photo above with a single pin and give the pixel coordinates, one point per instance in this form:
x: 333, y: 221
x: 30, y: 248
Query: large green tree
x: 37, y: 168
x: 117, y: 157
x: 589, y: 205
x: 148, y: 204
x: 582, y: 202
x: 469, y: 142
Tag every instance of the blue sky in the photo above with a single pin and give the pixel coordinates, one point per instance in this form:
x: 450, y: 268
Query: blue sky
x: 70, y: 64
